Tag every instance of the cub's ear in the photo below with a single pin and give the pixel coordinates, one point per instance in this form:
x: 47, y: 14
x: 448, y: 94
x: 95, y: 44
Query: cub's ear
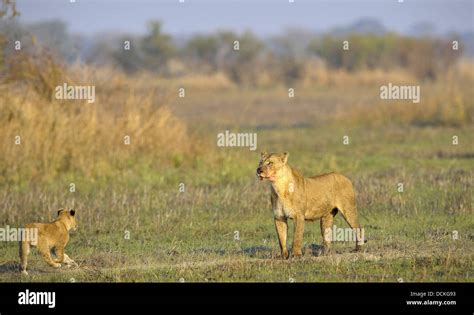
x: 72, y: 212
x: 263, y: 154
x: 60, y: 210
x: 285, y: 156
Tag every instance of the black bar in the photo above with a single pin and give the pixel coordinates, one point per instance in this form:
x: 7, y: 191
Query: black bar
x: 348, y: 296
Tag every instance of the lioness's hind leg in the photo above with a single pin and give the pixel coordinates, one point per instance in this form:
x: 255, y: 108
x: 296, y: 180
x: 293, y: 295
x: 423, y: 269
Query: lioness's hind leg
x: 326, y: 230
x: 350, y: 215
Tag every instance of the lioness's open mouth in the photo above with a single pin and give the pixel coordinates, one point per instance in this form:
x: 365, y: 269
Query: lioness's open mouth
x: 261, y: 177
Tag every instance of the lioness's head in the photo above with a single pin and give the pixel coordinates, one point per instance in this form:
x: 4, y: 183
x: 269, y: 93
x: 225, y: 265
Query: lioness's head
x: 69, y: 216
x: 271, y: 165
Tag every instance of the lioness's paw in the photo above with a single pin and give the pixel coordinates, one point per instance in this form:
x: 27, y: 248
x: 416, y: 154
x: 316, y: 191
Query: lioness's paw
x: 297, y: 254
x: 24, y: 273
x: 285, y: 255
x: 56, y: 265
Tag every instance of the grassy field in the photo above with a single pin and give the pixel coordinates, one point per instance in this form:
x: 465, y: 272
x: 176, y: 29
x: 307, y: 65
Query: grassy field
x: 136, y: 225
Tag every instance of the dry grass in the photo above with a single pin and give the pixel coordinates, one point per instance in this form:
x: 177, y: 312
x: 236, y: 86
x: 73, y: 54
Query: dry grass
x: 62, y: 136
x: 446, y: 102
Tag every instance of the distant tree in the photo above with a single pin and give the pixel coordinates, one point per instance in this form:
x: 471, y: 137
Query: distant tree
x: 242, y: 64
x: 425, y: 57
x: 157, y: 47
x: 202, y: 51
x: 290, y: 50
x: 238, y: 56
x: 128, y: 55
x: 329, y: 49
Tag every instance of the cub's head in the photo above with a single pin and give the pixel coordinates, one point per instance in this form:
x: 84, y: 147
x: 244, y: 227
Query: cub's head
x: 271, y: 165
x: 69, y: 216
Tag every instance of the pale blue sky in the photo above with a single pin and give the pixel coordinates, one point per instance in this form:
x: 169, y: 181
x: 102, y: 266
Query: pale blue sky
x: 264, y: 17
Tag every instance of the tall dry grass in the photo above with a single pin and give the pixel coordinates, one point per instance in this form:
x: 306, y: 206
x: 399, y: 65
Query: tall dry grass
x: 58, y: 137
x: 447, y: 101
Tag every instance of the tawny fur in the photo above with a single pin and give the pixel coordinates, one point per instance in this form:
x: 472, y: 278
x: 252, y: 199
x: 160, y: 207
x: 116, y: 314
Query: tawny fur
x: 301, y: 199
x: 54, y: 235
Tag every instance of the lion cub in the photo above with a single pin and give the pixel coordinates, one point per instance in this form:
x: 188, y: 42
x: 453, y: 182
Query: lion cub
x: 54, y: 235
x: 314, y: 198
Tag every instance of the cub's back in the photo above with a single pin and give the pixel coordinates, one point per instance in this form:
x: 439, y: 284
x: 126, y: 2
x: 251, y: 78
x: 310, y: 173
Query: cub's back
x: 46, y: 230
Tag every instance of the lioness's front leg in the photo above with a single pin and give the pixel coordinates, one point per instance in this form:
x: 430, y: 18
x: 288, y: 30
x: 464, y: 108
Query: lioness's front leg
x: 281, y: 225
x: 298, y: 236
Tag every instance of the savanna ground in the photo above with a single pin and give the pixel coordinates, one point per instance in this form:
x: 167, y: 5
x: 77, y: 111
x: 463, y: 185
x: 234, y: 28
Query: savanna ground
x: 136, y: 225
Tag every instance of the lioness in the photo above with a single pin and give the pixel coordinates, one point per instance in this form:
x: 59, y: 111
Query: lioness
x: 54, y: 235
x: 296, y: 197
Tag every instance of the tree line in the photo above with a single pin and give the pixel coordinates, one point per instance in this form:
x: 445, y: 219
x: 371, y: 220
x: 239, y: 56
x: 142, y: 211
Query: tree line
x: 241, y: 56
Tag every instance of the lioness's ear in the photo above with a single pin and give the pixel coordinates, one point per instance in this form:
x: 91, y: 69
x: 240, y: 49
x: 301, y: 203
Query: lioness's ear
x: 285, y: 156
x: 72, y: 212
x: 263, y: 154
x: 59, y: 211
